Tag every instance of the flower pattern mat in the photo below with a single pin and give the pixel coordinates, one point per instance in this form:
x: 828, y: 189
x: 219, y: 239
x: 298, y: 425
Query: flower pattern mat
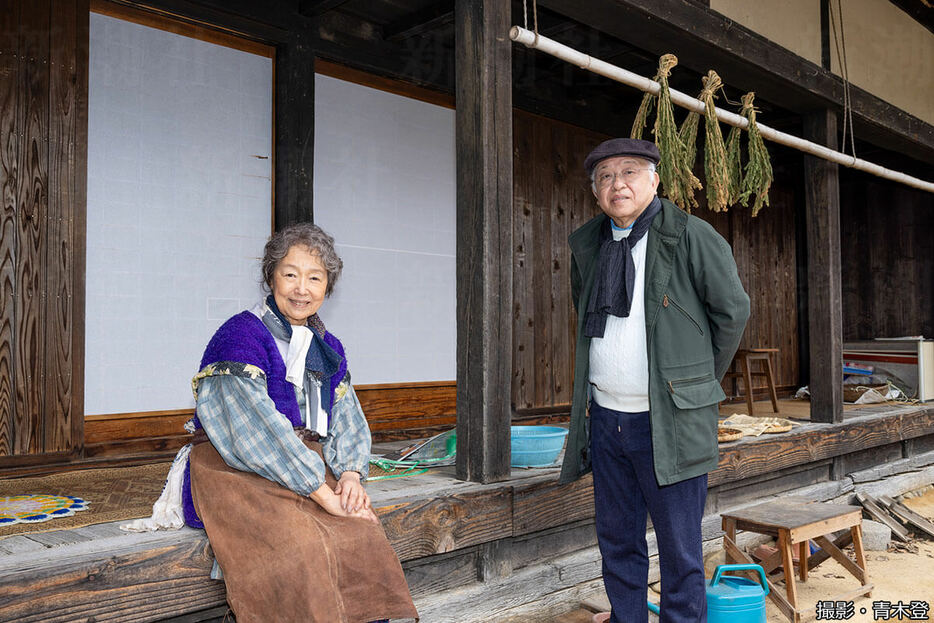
x: 37, y: 508
x: 110, y: 494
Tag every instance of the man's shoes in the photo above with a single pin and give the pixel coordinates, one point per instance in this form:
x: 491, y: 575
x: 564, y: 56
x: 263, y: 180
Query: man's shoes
x: 601, y: 617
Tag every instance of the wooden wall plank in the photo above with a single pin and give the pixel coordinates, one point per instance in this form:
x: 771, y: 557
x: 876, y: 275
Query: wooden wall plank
x: 551, y: 198
x: 887, y: 263
x: 408, y: 407
x: 78, y: 213
x: 9, y: 166
x: 560, y: 386
x: 543, y: 158
x: 58, y: 321
x: 483, y: 122
x: 32, y: 201
x: 523, y: 354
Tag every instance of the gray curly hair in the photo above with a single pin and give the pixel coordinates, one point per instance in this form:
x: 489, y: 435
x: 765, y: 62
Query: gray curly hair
x: 307, y: 235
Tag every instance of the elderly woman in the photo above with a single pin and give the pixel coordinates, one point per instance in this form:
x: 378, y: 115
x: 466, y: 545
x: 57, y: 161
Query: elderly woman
x: 281, y: 449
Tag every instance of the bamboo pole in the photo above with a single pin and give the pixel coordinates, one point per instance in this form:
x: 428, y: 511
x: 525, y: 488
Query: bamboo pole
x: 585, y: 61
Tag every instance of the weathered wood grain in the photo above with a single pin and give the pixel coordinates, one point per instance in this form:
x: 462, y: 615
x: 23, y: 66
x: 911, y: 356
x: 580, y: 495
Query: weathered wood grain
x: 879, y: 252
x: 483, y: 139
x: 111, y: 429
x: 559, y: 308
x: 542, y: 164
x: 825, y: 319
x: 9, y: 168
x: 395, y: 407
x: 132, y: 583
x: 743, y: 459
x: 523, y: 315
x: 434, y: 574
x: 440, y: 525
x: 32, y: 207
x: 548, y: 504
x: 58, y: 361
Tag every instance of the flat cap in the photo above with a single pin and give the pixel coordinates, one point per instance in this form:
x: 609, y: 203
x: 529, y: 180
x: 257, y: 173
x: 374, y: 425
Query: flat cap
x: 621, y: 147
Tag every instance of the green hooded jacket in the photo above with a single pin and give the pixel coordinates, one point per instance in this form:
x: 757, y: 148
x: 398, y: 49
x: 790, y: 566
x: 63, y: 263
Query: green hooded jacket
x: 695, y: 313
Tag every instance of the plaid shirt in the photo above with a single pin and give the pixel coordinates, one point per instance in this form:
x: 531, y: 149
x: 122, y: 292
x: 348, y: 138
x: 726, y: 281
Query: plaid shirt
x: 244, y: 426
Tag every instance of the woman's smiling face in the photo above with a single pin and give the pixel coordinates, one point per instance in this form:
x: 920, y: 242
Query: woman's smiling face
x: 299, y: 283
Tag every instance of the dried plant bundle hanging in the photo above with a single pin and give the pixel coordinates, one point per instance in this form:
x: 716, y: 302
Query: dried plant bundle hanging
x: 677, y: 179
x: 642, y: 115
x: 734, y: 166
x: 758, y: 176
x: 688, y: 135
x: 715, y: 158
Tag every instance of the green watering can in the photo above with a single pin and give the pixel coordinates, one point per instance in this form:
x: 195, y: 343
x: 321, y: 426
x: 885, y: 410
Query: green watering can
x: 734, y: 599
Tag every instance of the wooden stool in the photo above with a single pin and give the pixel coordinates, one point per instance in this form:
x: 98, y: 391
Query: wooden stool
x: 795, y: 522
x: 741, y: 364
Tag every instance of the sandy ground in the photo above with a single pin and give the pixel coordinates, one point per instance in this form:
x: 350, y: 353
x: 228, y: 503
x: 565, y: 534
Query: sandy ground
x: 903, y: 574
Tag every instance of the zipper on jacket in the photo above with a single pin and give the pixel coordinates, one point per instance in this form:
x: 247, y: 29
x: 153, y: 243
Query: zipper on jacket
x: 686, y: 381
x: 665, y: 302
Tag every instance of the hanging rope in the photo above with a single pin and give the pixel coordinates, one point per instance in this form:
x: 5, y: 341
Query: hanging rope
x: 840, y: 45
x: 525, y: 16
x: 758, y: 176
x: 716, y: 164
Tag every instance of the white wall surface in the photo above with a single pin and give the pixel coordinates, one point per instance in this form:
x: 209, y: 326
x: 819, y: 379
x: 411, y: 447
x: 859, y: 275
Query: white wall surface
x: 179, y: 207
x: 385, y: 189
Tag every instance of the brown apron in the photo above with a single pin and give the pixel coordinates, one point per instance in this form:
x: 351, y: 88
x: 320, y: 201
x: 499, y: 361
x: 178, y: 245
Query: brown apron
x: 285, y: 559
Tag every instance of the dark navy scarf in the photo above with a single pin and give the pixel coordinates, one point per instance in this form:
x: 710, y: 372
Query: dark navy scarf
x: 615, y: 279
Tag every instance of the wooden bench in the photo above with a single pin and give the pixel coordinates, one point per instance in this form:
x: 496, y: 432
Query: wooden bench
x: 796, y: 523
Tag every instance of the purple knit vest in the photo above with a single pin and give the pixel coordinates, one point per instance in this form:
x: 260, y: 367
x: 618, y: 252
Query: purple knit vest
x: 245, y: 339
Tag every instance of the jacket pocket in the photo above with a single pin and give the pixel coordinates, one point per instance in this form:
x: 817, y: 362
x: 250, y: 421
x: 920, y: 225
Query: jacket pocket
x: 695, y: 418
x: 667, y: 300
x: 695, y: 392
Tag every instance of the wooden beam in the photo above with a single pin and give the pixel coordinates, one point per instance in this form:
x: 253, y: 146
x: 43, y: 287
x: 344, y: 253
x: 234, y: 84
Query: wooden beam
x: 825, y: 297
x: 429, y: 18
x: 312, y: 8
x: 294, y: 132
x: 483, y: 120
x: 825, y: 53
x: 769, y: 453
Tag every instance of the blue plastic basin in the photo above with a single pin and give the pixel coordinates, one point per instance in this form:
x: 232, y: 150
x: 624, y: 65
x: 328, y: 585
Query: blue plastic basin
x: 536, y: 446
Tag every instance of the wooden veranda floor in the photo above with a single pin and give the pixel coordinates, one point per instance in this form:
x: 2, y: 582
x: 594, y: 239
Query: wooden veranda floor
x: 441, y: 528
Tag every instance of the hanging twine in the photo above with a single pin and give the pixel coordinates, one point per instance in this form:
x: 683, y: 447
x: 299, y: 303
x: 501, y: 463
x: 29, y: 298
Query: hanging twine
x: 676, y: 177
x: 715, y: 158
x: 758, y: 176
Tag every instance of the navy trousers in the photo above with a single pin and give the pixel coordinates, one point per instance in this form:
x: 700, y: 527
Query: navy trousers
x: 625, y: 489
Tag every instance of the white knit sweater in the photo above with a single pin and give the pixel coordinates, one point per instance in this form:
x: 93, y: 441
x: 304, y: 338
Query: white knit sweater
x: 619, y: 365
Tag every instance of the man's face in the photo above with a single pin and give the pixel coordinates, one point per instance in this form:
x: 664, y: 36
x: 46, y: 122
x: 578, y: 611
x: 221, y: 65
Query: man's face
x: 624, y: 187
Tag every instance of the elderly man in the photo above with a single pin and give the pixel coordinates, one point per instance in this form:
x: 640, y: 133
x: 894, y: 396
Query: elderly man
x: 660, y: 314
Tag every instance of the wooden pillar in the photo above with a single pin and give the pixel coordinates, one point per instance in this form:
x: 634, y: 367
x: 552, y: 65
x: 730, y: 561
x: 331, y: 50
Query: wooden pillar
x: 295, y: 130
x: 483, y: 118
x: 825, y: 312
